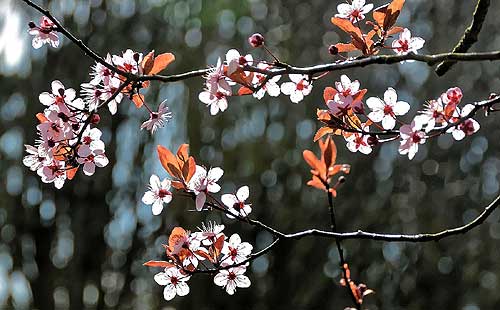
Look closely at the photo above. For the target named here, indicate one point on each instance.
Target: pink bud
(256, 40)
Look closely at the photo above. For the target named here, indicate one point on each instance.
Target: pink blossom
(406, 43)
(158, 194)
(90, 158)
(204, 182)
(387, 109)
(432, 115)
(270, 87)
(157, 119)
(174, 281)
(299, 87)
(129, 61)
(355, 11)
(232, 278)
(467, 127)
(53, 172)
(347, 88)
(236, 202)
(236, 251)
(359, 142)
(44, 34)
(59, 95)
(234, 60)
(411, 137)
(209, 233)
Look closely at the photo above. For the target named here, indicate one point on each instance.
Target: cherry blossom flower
(157, 119)
(204, 182)
(234, 60)
(347, 88)
(270, 87)
(216, 90)
(44, 34)
(55, 128)
(359, 142)
(108, 91)
(101, 73)
(35, 158)
(129, 61)
(387, 109)
(467, 127)
(158, 194)
(236, 202)
(297, 88)
(217, 100)
(406, 43)
(236, 251)
(452, 96)
(411, 137)
(92, 138)
(53, 172)
(90, 158)
(355, 11)
(209, 233)
(232, 278)
(59, 95)
(174, 281)
(432, 115)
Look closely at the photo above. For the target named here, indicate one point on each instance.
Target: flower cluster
(383, 26)
(185, 250)
(439, 116)
(195, 180)
(66, 139)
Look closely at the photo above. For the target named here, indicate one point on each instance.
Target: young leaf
(158, 263)
(161, 62)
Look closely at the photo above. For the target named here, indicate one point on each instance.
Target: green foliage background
(83, 246)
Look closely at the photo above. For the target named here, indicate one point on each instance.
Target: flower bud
(136, 57)
(256, 40)
(372, 140)
(31, 25)
(333, 50)
(95, 119)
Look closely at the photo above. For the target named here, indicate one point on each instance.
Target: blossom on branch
(158, 194)
(204, 182)
(468, 126)
(355, 11)
(387, 110)
(411, 137)
(174, 281)
(235, 203)
(157, 119)
(44, 34)
(406, 43)
(236, 251)
(299, 87)
(232, 278)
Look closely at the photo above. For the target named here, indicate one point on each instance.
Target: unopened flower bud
(333, 50)
(256, 40)
(136, 57)
(372, 140)
(31, 25)
(95, 119)
(492, 96)
(341, 179)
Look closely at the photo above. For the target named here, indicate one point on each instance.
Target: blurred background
(82, 247)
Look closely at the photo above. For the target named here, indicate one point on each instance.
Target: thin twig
(469, 37)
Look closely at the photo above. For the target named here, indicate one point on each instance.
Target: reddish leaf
(347, 26)
(244, 91)
(392, 13)
(70, 173)
(329, 93)
(41, 118)
(183, 152)
(168, 161)
(345, 47)
(161, 62)
(218, 245)
(158, 263)
(138, 100)
(379, 15)
(322, 132)
(177, 185)
(147, 62)
(395, 30)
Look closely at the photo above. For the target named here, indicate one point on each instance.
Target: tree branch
(469, 37)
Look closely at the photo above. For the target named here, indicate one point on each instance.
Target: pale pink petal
(243, 193)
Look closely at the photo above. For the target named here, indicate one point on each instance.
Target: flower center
(231, 276)
(388, 110)
(416, 137)
(163, 192)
